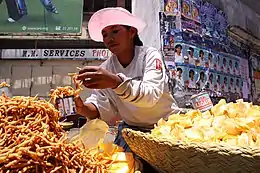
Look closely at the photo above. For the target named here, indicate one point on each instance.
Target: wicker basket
(171, 157)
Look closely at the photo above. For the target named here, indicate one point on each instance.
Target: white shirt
(192, 84)
(202, 63)
(143, 98)
(191, 60)
(178, 58)
(231, 89)
(202, 84)
(224, 88)
(217, 87)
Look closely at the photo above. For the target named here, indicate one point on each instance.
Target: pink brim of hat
(112, 16)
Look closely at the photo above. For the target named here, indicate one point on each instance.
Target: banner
(77, 54)
(41, 17)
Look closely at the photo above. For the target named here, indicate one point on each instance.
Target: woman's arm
(147, 91)
(100, 105)
(89, 110)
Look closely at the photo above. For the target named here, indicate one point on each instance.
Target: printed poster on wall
(168, 28)
(255, 70)
(171, 6)
(41, 16)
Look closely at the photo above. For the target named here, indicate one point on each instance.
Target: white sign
(87, 54)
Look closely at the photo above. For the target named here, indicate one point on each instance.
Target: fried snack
(4, 84)
(61, 92)
(229, 123)
(31, 140)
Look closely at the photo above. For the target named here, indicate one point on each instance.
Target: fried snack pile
(31, 140)
(61, 92)
(4, 84)
(236, 124)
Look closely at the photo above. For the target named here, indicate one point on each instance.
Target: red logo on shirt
(158, 64)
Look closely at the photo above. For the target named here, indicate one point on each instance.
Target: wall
(32, 77)
(149, 11)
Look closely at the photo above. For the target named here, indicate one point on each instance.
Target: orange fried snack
(61, 92)
(31, 140)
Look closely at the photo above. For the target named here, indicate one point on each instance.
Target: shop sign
(77, 54)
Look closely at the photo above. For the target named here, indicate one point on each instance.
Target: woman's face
(178, 50)
(201, 55)
(191, 75)
(202, 77)
(210, 58)
(118, 38)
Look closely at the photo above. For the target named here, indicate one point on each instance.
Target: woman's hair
(179, 69)
(178, 46)
(137, 40)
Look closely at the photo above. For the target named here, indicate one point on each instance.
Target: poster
(255, 70)
(188, 54)
(171, 6)
(190, 77)
(168, 29)
(41, 16)
(78, 54)
(220, 26)
(207, 14)
(195, 11)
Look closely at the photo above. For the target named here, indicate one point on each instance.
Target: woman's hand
(78, 103)
(89, 110)
(95, 77)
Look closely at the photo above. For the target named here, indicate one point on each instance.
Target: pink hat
(112, 16)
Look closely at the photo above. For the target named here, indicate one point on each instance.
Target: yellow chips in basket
(235, 124)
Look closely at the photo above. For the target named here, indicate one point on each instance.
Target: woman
(132, 82)
(202, 82)
(178, 54)
(191, 82)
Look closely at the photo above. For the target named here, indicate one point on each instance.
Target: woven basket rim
(222, 147)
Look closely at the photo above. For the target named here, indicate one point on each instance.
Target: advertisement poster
(243, 68)
(168, 29)
(41, 16)
(255, 64)
(78, 54)
(190, 77)
(207, 14)
(171, 6)
(191, 16)
(195, 13)
(220, 26)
